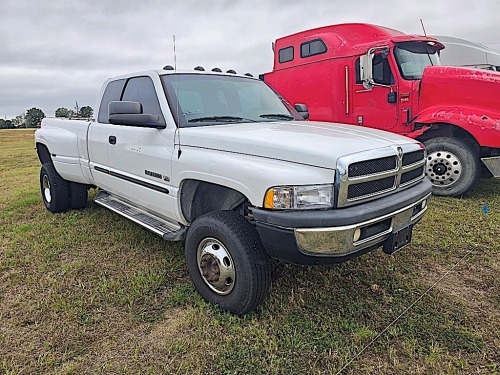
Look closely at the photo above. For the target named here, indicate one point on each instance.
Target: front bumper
(333, 236)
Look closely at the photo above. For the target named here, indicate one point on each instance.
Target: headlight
(299, 197)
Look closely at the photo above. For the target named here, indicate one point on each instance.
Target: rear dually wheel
(54, 189)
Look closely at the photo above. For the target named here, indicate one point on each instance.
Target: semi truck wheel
(226, 261)
(55, 190)
(452, 166)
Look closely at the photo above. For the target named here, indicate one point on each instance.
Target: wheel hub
(46, 188)
(443, 168)
(216, 266)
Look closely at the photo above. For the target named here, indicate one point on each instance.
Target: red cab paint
(373, 76)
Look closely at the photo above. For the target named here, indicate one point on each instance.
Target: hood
(446, 85)
(306, 142)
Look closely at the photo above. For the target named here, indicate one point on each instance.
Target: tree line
(33, 117)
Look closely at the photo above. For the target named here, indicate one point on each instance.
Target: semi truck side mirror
(366, 70)
(302, 110)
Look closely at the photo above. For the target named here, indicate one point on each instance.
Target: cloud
(53, 53)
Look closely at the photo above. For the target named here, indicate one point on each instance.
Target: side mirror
(366, 70)
(392, 97)
(130, 114)
(302, 110)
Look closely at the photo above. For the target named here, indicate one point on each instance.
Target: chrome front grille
(414, 174)
(413, 157)
(364, 189)
(363, 168)
(371, 174)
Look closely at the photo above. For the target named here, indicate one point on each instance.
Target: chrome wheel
(216, 266)
(46, 188)
(443, 168)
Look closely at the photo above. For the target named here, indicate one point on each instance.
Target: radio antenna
(423, 28)
(175, 56)
(179, 152)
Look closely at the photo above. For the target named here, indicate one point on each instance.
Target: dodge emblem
(400, 152)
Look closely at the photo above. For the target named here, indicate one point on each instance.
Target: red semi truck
(378, 77)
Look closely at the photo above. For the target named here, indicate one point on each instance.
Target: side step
(168, 230)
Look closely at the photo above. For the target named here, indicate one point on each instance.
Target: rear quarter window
(112, 93)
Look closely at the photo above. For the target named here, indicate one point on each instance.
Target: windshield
(414, 57)
(201, 100)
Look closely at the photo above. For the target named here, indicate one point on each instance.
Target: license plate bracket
(398, 239)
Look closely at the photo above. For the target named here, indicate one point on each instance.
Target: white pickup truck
(221, 161)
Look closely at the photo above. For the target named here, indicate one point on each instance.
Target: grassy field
(90, 292)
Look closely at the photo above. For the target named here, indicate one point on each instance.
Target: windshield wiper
(221, 119)
(278, 116)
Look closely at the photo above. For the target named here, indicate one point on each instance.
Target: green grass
(90, 292)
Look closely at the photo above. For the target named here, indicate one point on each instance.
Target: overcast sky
(56, 52)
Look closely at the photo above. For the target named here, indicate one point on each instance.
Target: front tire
(452, 166)
(226, 261)
(54, 189)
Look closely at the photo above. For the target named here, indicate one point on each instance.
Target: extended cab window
(112, 93)
(314, 47)
(285, 54)
(142, 90)
(382, 73)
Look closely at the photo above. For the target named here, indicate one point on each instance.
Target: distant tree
(20, 120)
(34, 116)
(71, 113)
(62, 112)
(9, 124)
(86, 112)
(3, 125)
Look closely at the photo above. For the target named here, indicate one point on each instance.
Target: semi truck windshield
(414, 57)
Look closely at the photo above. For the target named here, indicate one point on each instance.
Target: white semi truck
(461, 52)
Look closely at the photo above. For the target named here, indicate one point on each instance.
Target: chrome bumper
(342, 241)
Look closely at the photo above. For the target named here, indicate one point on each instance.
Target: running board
(168, 230)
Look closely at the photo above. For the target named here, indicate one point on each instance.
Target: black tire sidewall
(59, 189)
(252, 272)
(468, 158)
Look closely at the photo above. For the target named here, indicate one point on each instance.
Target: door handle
(112, 139)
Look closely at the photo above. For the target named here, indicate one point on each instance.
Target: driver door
(371, 107)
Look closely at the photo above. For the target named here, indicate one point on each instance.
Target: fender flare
(482, 125)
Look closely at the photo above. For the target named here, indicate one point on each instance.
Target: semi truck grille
(371, 174)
